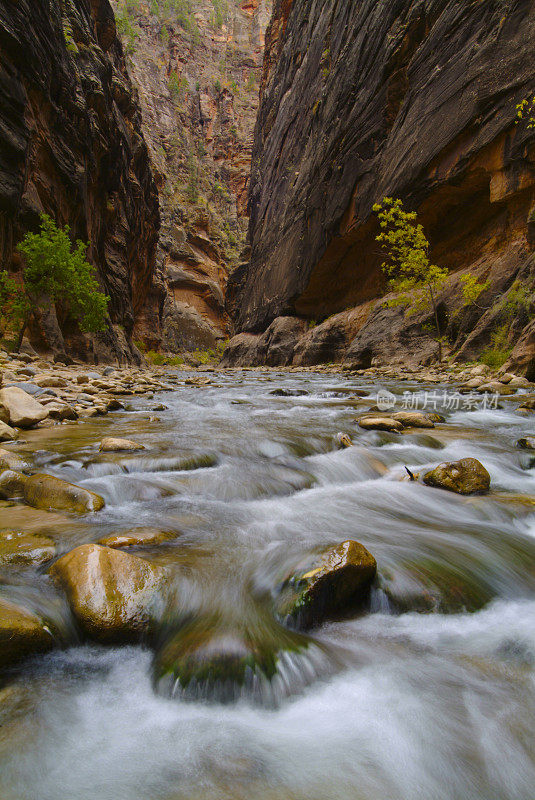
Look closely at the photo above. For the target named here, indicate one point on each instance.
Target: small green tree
(55, 270)
(408, 267)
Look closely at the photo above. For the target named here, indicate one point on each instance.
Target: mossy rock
(467, 476)
(218, 660)
(326, 585)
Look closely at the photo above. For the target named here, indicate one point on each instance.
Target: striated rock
(467, 476)
(380, 424)
(429, 123)
(24, 411)
(343, 440)
(111, 445)
(17, 547)
(72, 145)
(22, 633)
(113, 595)
(326, 584)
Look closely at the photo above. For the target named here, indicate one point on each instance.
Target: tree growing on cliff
(407, 265)
(54, 271)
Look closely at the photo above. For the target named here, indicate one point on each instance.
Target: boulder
(11, 484)
(495, 387)
(111, 445)
(113, 595)
(467, 476)
(61, 411)
(17, 547)
(326, 584)
(7, 433)
(527, 443)
(137, 537)
(519, 383)
(21, 633)
(24, 411)
(12, 461)
(380, 424)
(413, 419)
(343, 440)
(48, 492)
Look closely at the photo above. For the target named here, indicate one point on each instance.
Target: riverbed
(427, 694)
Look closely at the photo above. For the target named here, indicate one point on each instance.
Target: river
(429, 694)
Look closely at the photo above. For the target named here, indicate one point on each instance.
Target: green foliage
(56, 270)
(525, 111)
(471, 288)
(14, 304)
(160, 359)
(126, 26)
(220, 13)
(217, 85)
(499, 351)
(407, 265)
(210, 354)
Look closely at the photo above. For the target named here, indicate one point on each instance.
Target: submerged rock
(24, 411)
(113, 595)
(48, 492)
(210, 659)
(467, 476)
(326, 584)
(21, 633)
(111, 445)
(17, 547)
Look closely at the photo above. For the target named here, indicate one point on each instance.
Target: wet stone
(467, 476)
(17, 547)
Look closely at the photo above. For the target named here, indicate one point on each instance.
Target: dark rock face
(402, 98)
(275, 347)
(71, 146)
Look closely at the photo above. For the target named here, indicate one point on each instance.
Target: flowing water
(428, 694)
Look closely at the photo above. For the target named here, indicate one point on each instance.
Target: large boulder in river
(24, 411)
(48, 493)
(113, 595)
(413, 419)
(467, 476)
(326, 584)
(21, 633)
(380, 424)
(9, 460)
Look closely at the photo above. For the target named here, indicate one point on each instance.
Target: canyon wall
(197, 67)
(407, 98)
(71, 145)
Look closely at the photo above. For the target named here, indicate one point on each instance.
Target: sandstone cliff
(408, 98)
(197, 65)
(71, 145)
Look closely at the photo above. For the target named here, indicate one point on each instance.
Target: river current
(429, 694)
